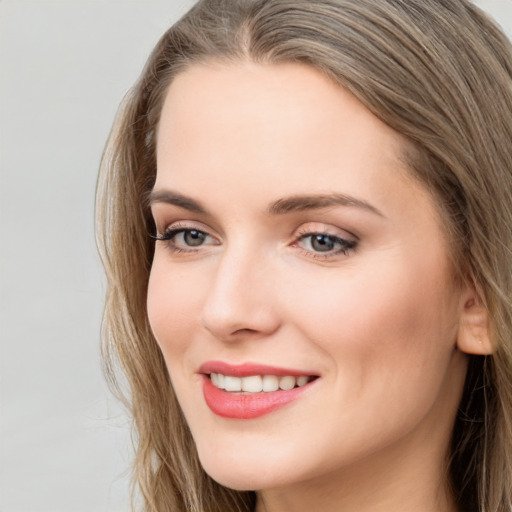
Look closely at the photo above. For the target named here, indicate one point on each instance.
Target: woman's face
(298, 253)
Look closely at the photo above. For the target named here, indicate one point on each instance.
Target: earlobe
(473, 335)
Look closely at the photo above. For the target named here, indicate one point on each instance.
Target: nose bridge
(240, 297)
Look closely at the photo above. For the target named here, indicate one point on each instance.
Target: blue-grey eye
(182, 238)
(323, 243)
(193, 238)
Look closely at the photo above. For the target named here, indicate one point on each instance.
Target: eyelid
(326, 229)
(184, 225)
(167, 216)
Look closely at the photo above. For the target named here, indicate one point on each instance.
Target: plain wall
(65, 65)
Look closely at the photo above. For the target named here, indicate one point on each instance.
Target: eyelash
(169, 234)
(346, 246)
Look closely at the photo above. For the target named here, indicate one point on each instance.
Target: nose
(242, 300)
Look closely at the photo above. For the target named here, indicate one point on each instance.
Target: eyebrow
(177, 199)
(297, 203)
(316, 202)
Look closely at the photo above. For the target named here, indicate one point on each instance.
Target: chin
(238, 483)
(242, 480)
(246, 471)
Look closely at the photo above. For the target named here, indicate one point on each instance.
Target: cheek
(173, 306)
(389, 335)
(399, 318)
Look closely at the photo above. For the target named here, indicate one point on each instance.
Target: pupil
(193, 238)
(322, 243)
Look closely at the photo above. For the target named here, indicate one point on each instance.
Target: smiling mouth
(250, 390)
(258, 383)
(252, 396)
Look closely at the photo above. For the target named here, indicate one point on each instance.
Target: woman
(304, 213)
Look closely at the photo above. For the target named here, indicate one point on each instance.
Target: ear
(473, 336)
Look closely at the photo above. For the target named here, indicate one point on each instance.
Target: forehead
(259, 118)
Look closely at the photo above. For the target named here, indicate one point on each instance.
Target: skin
(379, 323)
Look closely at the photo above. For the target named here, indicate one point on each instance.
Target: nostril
(239, 324)
(245, 330)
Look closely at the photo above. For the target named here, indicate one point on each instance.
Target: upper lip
(248, 369)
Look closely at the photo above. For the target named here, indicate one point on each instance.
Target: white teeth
(270, 383)
(253, 384)
(286, 383)
(257, 383)
(302, 380)
(232, 383)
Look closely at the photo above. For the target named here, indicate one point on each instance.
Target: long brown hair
(437, 71)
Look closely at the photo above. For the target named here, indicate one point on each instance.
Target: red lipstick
(240, 405)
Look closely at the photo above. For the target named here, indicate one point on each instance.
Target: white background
(64, 66)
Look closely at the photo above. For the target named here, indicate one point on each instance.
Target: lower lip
(247, 406)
